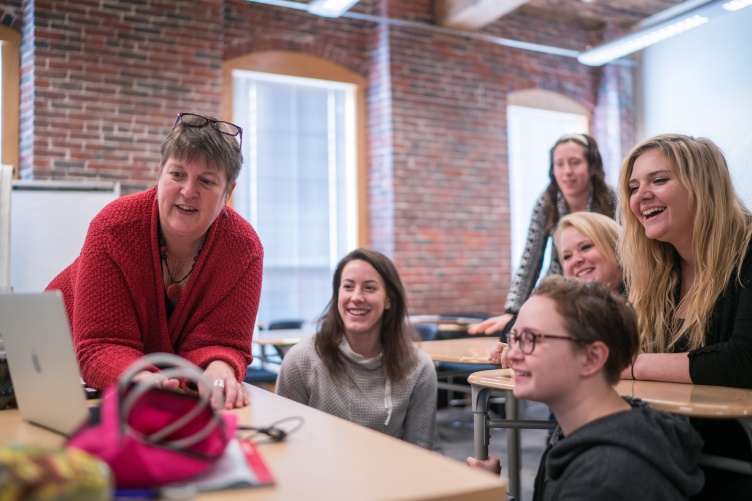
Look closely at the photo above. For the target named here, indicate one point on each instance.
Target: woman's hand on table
(222, 376)
(160, 379)
(499, 355)
(491, 325)
(491, 464)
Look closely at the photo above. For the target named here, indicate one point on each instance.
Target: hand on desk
(491, 464)
(491, 325)
(499, 355)
(161, 381)
(223, 379)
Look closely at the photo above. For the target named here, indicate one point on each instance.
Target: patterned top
(406, 410)
(532, 258)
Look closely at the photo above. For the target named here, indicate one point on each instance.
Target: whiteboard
(48, 225)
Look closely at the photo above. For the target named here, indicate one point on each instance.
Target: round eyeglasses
(198, 121)
(527, 340)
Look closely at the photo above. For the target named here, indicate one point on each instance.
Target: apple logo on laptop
(35, 361)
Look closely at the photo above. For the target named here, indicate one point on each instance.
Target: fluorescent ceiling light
(735, 5)
(670, 25)
(639, 40)
(330, 8)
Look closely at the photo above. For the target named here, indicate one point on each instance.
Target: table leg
(513, 446)
(481, 432)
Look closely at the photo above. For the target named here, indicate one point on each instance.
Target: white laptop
(42, 362)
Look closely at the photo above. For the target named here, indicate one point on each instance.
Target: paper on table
(240, 466)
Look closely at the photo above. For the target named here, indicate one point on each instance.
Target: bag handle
(174, 366)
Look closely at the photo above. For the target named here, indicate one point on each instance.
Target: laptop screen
(42, 361)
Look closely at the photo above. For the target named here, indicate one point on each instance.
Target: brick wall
(102, 82)
(11, 14)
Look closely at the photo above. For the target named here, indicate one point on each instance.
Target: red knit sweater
(114, 293)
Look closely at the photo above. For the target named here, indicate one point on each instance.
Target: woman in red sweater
(172, 269)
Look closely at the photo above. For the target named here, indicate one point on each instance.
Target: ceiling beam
(472, 14)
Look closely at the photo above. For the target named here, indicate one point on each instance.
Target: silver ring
(219, 382)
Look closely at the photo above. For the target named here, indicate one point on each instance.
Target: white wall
(700, 83)
(48, 225)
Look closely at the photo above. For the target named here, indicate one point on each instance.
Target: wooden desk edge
(502, 379)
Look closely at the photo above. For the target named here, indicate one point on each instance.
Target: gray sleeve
(532, 260)
(291, 381)
(420, 420)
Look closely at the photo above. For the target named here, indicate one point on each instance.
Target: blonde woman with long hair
(685, 248)
(687, 260)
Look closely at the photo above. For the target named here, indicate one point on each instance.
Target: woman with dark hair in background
(577, 183)
(362, 365)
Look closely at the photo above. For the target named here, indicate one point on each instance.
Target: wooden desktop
(327, 458)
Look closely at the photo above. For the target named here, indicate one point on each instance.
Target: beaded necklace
(174, 290)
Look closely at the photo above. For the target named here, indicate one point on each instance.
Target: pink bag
(151, 436)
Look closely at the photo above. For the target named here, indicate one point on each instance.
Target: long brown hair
(601, 195)
(721, 233)
(398, 356)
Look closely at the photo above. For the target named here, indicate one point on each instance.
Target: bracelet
(632, 368)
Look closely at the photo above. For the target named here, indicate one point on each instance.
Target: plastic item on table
(32, 473)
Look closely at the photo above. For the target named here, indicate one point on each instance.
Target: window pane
(532, 132)
(293, 188)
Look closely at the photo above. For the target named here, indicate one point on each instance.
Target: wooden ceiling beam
(472, 14)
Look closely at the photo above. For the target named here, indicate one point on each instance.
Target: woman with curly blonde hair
(687, 259)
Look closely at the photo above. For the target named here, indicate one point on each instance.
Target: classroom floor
(455, 440)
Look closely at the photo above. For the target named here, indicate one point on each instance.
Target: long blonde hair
(721, 232)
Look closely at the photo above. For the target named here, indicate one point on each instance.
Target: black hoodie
(640, 454)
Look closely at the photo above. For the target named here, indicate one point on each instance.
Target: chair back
(427, 332)
(285, 324)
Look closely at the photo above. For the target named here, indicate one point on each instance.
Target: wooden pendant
(173, 292)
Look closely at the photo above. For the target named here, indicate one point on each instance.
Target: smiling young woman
(586, 242)
(571, 341)
(686, 249)
(687, 256)
(577, 183)
(362, 365)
